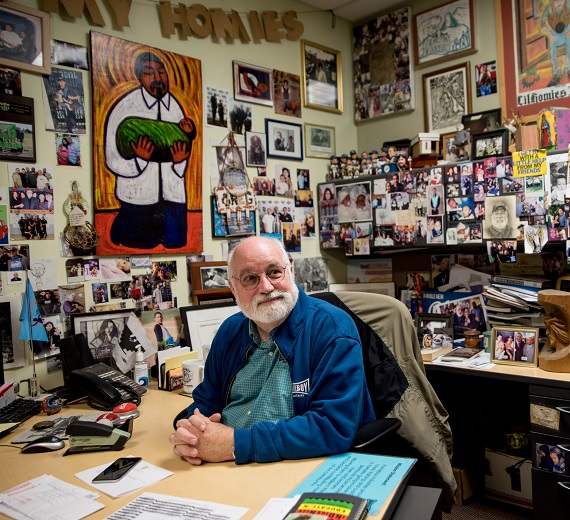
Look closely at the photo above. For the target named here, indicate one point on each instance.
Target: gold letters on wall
(195, 20)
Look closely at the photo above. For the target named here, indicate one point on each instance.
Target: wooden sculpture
(555, 355)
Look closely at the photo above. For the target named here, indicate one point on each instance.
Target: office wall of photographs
(472, 202)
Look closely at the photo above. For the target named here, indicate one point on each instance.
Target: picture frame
(447, 146)
(447, 97)
(280, 135)
(490, 144)
(253, 84)
(433, 321)
(17, 120)
(401, 145)
(200, 323)
(455, 36)
(320, 141)
(482, 121)
(202, 290)
(318, 61)
(36, 26)
(525, 355)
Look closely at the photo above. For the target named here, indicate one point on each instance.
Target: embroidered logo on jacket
(301, 388)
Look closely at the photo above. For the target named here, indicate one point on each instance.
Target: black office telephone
(83, 376)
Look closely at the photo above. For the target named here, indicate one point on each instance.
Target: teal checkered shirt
(262, 390)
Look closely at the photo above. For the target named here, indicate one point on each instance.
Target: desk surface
(250, 485)
(530, 375)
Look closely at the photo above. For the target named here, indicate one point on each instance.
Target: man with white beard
(284, 378)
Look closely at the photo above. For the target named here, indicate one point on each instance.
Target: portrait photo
(500, 218)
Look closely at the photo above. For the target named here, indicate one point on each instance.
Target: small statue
(555, 355)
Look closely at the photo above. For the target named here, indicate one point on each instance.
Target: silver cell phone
(117, 470)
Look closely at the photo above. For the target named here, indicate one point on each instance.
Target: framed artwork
(209, 281)
(447, 97)
(201, 323)
(237, 223)
(319, 141)
(133, 214)
(531, 60)
(445, 32)
(253, 84)
(17, 129)
(32, 51)
(284, 140)
(322, 77)
(515, 345)
(382, 67)
(490, 144)
(482, 121)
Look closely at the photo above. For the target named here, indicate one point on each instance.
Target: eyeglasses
(250, 281)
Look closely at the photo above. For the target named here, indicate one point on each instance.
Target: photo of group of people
(464, 203)
(550, 458)
(515, 345)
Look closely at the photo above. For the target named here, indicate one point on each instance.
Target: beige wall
(216, 58)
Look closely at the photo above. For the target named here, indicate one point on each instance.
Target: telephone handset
(105, 386)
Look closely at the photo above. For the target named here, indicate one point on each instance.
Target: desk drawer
(550, 495)
(549, 415)
(551, 454)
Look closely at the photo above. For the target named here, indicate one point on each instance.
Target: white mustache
(267, 297)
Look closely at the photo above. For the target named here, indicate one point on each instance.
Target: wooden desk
(249, 485)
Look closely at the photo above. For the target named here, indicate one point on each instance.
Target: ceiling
(354, 10)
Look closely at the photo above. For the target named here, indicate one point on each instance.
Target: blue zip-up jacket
(330, 398)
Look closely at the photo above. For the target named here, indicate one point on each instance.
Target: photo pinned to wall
(286, 93)
(557, 178)
(306, 217)
(100, 293)
(14, 258)
(64, 101)
(115, 269)
(304, 199)
(10, 81)
(164, 270)
(54, 330)
(382, 65)
(291, 233)
(31, 225)
(240, 116)
(67, 149)
(235, 223)
(354, 202)
(15, 277)
(486, 78)
(4, 228)
(303, 179)
(72, 298)
(74, 270)
(216, 106)
(435, 230)
(91, 269)
(26, 33)
(264, 186)
(515, 345)
(256, 153)
(283, 182)
(500, 218)
(311, 273)
(17, 129)
(68, 55)
(252, 83)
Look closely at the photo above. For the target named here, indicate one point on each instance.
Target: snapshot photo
(515, 345)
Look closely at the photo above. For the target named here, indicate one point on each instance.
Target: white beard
(274, 312)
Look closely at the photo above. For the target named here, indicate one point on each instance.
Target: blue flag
(32, 326)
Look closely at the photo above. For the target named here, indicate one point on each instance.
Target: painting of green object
(162, 134)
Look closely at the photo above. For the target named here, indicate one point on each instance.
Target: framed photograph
(319, 141)
(515, 345)
(448, 147)
(209, 281)
(202, 322)
(443, 33)
(18, 129)
(31, 51)
(255, 146)
(253, 84)
(490, 144)
(284, 140)
(322, 77)
(482, 121)
(447, 97)
(401, 146)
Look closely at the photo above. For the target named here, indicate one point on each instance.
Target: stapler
(87, 436)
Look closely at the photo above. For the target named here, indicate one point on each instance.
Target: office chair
(411, 421)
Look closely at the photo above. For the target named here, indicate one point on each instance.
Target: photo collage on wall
(464, 203)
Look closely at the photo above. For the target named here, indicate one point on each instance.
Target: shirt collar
(257, 338)
(151, 101)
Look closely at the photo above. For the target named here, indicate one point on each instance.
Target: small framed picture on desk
(515, 345)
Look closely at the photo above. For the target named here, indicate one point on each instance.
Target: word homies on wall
(193, 21)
